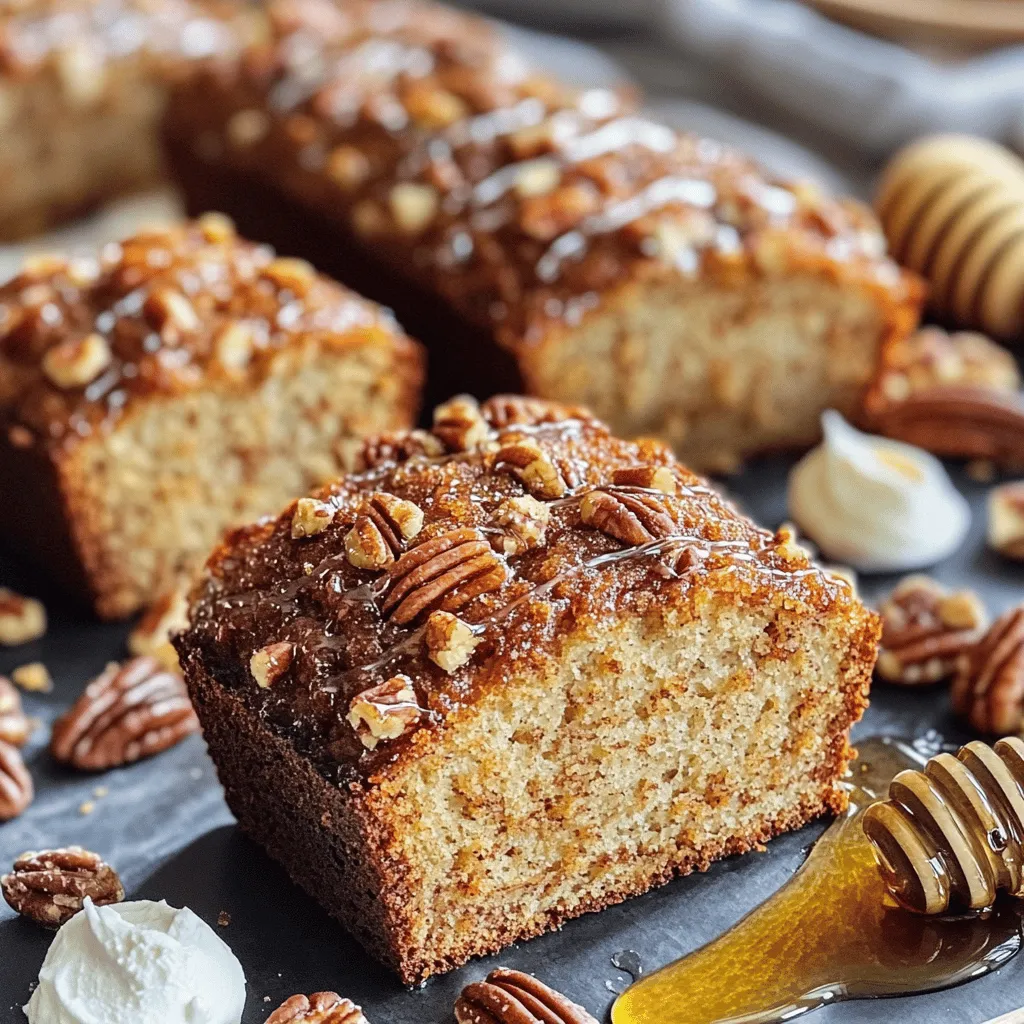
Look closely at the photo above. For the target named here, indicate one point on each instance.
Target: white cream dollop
(876, 504)
(142, 962)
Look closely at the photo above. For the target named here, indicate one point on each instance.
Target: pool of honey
(831, 933)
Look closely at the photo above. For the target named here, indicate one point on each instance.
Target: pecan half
(16, 789)
(319, 1008)
(510, 997)
(21, 618)
(446, 572)
(15, 727)
(380, 533)
(989, 688)
(50, 887)
(655, 478)
(502, 411)
(633, 518)
(533, 466)
(128, 712)
(958, 421)
(384, 712)
(523, 521)
(398, 446)
(460, 424)
(927, 631)
(1006, 520)
(33, 678)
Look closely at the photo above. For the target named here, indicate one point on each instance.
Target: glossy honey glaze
(831, 933)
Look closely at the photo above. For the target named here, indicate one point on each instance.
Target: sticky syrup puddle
(831, 933)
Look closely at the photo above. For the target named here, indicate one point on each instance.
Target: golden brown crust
(353, 629)
(163, 312)
(524, 203)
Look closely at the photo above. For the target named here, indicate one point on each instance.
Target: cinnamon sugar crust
(442, 807)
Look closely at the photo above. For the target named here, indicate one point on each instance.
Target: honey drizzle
(831, 933)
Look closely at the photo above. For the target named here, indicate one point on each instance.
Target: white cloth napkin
(870, 94)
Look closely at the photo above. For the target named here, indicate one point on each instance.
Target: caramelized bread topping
(381, 652)
(518, 199)
(163, 312)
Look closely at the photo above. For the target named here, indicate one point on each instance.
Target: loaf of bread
(540, 237)
(178, 382)
(83, 86)
(514, 671)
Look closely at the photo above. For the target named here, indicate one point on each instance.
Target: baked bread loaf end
(543, 238)
(468, 694)
(180, 382)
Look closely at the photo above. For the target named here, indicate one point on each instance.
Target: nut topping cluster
(384, 712)
(128, 712)
(511, 997)
(22, 619)
(989, 687)
(538, 472)
(50, 887)
(383, 529)
(927, 631)
(460, 424)
(319, 1008)
(16, 789)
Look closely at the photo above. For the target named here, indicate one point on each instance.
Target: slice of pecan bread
(179, 382)
(476, 690)
(542, 237)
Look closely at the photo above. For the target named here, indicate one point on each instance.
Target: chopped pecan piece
(460, 424)
(16, 789)
(75, 363)
(958, 421)
(319, 1008)
(311, 517)
(380, 533)
(989, 688)
(50, 887)
(128, 712)
(927, 631)
(413, 205)
(533, 466)
(22, 619)
(33, 678)
(15, 727)
(510, 997)
(450, 641)
(523, 521)
(1006, 519)
(152, 636)
(384, 712)
(655, 478)
(398, 446)
(446, 571)
(270, 663)
(633, 518)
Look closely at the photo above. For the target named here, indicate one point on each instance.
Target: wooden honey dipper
(952, 207)
(953, 834)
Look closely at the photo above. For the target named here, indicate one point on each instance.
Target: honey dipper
(952, 207)
(953, 834)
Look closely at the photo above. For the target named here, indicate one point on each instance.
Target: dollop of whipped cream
(142, 962)
(876, 504)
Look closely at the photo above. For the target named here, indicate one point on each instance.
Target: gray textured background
(165, 827)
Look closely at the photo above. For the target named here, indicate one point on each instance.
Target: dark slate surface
(164, 825)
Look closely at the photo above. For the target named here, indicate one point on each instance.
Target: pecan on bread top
(429, 576)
